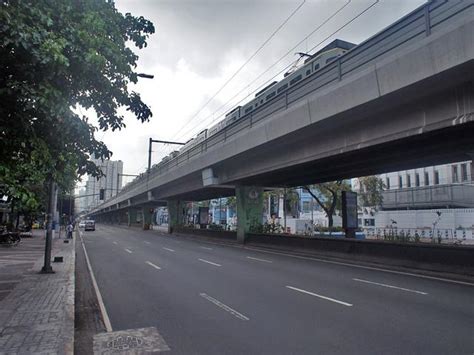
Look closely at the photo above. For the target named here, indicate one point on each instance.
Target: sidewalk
(37, 316)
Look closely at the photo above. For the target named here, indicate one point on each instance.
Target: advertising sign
(349, 210)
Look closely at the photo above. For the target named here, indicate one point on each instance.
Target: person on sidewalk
(69, 230)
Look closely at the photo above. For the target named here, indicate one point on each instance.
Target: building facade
(111, 183)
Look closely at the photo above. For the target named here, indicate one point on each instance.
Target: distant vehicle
(82, 224)
(89, 225)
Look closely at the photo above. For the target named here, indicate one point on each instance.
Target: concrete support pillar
(146, 217)
(132, 216)
(249, 209)
(175, 214)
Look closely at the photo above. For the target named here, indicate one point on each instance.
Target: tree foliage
(57, 55)
(371, 188)
(328, 196)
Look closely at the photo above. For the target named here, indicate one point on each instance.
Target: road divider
(224, 307)
(209, 262)
(153, 265)
(390, 286)
(320, 296)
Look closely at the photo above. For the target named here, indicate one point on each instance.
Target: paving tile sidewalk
(37, 317)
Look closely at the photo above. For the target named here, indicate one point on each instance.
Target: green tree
(371, 189)
(328, 196)
(57, 55)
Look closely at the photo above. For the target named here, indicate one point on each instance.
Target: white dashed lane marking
(169, 249)
(390, 286)
(224, 307)
(128, 251)
(209, 262)
(153, 265)
(319, 296)
(257, 259)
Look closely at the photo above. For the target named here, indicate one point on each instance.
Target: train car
(216, 128)
(311, 65)
(232, 116)
(200, 137)
(188, 145)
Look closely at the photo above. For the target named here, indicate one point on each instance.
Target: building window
(455, 173)
(408, 180)
(308, 72)
(427, 178)
(417, 179)
(387, 182)
(306, 207)
(316, 66)
(464, 172)
(400, 182)
(436, 177)
(369, 222)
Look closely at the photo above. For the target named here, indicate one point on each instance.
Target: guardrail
(415, 26)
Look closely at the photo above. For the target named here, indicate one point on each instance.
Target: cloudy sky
(200, 44)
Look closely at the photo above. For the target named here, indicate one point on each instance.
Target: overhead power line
(243, 65)
(329, 18)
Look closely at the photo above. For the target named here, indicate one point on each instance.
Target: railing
(413, 27)
(452, 195)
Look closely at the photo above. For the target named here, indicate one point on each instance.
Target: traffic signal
(101, 194)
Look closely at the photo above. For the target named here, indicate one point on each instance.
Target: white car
(82, 224)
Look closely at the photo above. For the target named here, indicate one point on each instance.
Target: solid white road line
(390, 286)
(263, 260)
(105, 316)
(128, 251)
(206, 248)
(153, 265)
(169, 249)
(320, 296)
(146, 242)
(209, 262)
(224, 307)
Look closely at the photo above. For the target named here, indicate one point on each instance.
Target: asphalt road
(206, 298)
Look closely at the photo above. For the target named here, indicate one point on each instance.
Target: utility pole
(150, 143)
(47, 269)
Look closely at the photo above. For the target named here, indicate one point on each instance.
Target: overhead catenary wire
(243, 65)
(329, 18)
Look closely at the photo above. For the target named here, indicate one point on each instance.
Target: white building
(111, 182)
(437, 198)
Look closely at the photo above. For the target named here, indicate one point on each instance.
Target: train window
(248, 109)
(269, 96)
(331, 59)
(308, 72)
(295, 80)
(281, 88)
(316, 66)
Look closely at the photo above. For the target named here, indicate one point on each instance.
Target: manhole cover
(125, 343)
(131, 341)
